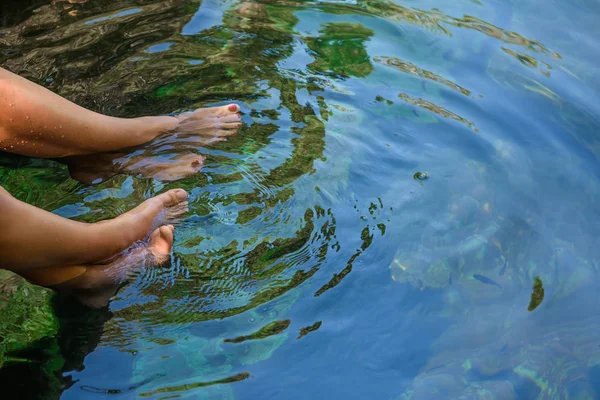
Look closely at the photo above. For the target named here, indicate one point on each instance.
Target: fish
(486, 280)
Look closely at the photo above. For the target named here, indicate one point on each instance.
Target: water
(313, 263)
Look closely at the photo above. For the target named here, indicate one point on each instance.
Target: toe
(229, 109)
(225, 133)
(161, 242)
(166, 235)
(219, 111)
(174, 214)
(172, 197)
(235, 117)
(234, 108)
(231, 125)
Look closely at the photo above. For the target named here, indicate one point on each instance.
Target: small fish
(503, 270)
(450, 280)
(486, 280)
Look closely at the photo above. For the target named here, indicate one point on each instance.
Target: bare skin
(100, 282)
(38, 123)
(34, 242)
(97, 168)
(203, 127)
(69, 255)
(33, 238)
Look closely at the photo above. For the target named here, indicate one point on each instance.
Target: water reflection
(309, 224)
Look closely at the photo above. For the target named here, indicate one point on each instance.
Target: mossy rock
(26, 315)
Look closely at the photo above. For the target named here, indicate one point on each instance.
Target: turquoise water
(315, 261)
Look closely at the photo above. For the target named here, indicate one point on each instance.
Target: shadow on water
(342, 104)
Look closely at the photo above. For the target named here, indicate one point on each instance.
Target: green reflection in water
(273, 328)
(292, 114)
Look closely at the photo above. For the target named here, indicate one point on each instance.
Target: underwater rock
(26, 315)
(420, 176)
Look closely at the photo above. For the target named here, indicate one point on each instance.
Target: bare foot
(154, 212)
(168, 157)
(94, 282)
(34, 239)
(214, 124)
(100, 282)
(97, 168)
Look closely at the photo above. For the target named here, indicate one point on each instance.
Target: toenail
(233, 107)
(181, 194)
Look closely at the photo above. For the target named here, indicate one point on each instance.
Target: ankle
(152, 127)
(113, 237)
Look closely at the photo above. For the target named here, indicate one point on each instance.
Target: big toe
(161, 242)
(229, 110)
(171, 197)
(232, 108)
(153, 207)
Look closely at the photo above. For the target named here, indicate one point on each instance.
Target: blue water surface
(405, 172)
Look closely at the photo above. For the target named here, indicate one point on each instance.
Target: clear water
(312, 263)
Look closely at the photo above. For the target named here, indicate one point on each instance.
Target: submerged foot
(98, 168)
(113, 237)
(162, 158)
(211, 123)
(100, 282)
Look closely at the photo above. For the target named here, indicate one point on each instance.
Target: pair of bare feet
(101, 279)
(91, 261)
